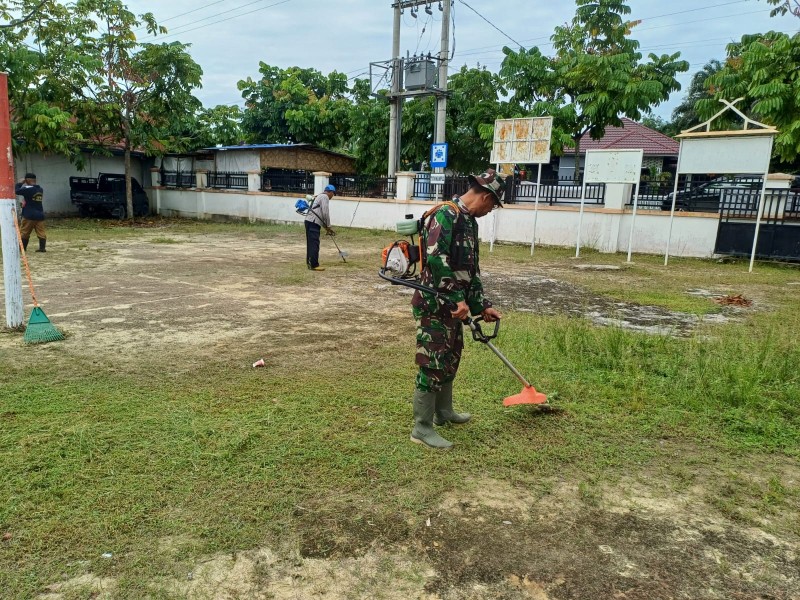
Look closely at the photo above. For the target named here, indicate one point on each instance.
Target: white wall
(53, 173)
(694, 234)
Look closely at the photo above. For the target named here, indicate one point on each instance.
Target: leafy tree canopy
(595, 77)
(764, 69)
(296, 105)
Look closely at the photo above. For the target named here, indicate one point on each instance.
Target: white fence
(605, 229)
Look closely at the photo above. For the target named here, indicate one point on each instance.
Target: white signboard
(748, 154)
(613, 166)
(523, 141)
(437, 178)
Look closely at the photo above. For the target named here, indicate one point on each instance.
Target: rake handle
(24, 258)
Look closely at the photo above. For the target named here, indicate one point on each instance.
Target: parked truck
(105, 196)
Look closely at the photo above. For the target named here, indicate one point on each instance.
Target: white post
(672, 216)
(254, 181)
(536, 207)
(674, 200)
(633, 220)
(404, 186)
(494, 216)
(12, 275)
(760, 215)
(580, 218)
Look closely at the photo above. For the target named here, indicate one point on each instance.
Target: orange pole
(12, 277)
(7, 165)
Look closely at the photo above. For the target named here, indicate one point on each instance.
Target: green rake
(39, 330)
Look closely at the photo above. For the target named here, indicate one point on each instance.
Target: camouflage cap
(493, 181)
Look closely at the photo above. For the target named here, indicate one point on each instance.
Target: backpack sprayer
(302, 207)
(400, 261)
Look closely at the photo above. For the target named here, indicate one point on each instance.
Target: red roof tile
(631, 136)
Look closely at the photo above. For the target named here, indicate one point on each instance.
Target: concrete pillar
(405, 186)
(201, 179)
(617, 195)
(155, 177)
(321, 179)
(254, 181)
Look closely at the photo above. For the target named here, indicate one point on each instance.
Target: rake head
(40, 330)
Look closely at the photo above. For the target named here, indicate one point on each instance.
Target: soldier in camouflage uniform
(450, 244)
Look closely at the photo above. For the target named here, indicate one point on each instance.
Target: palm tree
(684, 116)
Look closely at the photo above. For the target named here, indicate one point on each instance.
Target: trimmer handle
(477, 333)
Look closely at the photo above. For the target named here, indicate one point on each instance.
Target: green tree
(41, 49)
(764, 69)
(136, 92)
(474, 102)
(221, 125)
(783, 7)
(85, 79)
(685, 114)
(296, 105)
(369, 129)
(659, 124)
(595, 77)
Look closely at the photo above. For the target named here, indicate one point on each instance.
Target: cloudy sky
(229, 37)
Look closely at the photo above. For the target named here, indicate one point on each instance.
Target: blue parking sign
(439, 156)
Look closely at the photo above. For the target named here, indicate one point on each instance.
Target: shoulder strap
(449, 203)
(428, 214)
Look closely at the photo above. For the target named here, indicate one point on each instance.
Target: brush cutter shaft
(508, 364)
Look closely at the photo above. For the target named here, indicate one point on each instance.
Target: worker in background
(32, 211)
(318, 217)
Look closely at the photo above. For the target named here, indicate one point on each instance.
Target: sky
(230, 37)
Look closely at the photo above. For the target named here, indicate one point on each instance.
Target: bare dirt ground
(187, 299)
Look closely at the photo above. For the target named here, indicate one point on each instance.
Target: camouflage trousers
(439, 345)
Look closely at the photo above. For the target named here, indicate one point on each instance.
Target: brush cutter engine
(400, 259)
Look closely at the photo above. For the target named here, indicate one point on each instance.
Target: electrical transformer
(420, 74)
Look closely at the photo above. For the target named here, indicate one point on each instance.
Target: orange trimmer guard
(528, 395)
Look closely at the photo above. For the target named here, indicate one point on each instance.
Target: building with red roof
(660, 151)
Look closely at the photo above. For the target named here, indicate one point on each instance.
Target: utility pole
(415, 77)
(396, 103)
(444, 61)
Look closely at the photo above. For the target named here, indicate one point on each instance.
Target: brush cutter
(528, 395)
(302, 207)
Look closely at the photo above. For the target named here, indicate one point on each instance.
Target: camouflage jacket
(450, 245)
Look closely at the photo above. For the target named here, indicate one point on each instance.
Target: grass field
(145, 457)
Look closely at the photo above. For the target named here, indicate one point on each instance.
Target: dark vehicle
(105, 195)
(706, 196)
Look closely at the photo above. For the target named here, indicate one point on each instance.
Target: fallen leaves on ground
(729, 300)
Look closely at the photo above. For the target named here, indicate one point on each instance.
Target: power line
(185, 13)
(490, 23)
(493, 55)
(545, 37)
(171, 35)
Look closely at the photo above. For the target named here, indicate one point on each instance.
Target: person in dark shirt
(32, 211)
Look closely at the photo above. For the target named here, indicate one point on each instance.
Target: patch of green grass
(98, 460)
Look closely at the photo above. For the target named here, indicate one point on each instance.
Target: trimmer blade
(528, 395)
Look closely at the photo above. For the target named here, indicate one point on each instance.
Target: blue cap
(329, 188)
